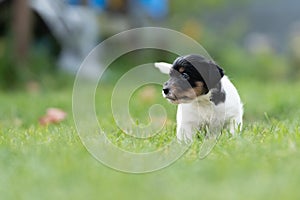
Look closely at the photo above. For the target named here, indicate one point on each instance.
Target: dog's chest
(199, 113)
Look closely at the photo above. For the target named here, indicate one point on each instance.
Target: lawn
(50, 162)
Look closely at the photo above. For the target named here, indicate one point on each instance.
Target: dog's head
(190, 77)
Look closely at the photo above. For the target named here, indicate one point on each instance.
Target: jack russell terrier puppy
(206, 97)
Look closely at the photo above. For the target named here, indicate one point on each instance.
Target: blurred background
(44, 41)
(42, 44)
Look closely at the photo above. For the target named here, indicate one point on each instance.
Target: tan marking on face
(199, 89)
(181, 69)
(192, 93)
(186, 95)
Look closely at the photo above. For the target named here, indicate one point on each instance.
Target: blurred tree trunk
(21, 30)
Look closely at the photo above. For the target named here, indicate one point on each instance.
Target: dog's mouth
(177, 100)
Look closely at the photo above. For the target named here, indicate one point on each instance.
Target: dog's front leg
(186, 126)
(217, 121)
(235, 124)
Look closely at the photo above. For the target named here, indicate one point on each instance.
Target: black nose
(166, 90)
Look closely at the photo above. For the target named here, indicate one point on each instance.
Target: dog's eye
(185, 76)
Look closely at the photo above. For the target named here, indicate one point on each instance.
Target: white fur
(163, 67)
(201, 111)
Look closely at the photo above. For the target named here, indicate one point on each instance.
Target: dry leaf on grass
(53, 115)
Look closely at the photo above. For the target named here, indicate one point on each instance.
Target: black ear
(209, 71)
(215, 74)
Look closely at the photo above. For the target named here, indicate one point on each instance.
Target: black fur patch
(218, 95)
(199, 69)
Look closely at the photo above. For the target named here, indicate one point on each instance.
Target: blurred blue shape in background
(96, 4)
(156, 9)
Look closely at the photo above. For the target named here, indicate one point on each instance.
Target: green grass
(50, 162)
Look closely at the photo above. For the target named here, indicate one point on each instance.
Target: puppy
(206, 97)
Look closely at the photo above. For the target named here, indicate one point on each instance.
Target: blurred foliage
(187, 17)
(223, 42)
(196, 7)
(244, 65)
(40, 71)
(183, 11)
(132, 59)
(15, 75)
(39, 61)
